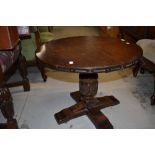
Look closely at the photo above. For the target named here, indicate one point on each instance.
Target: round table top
(89, 54)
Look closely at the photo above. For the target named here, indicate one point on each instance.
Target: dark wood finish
(6, 107)
(87, 104)
(50, 28)
(19, 64)
(41, 68)
(151, 32)
(37, 39)
(88, 56)
(150, 66)
(111, 31)
(9, 37)
(135, 33)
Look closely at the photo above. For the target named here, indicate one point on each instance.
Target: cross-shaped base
(87, 104)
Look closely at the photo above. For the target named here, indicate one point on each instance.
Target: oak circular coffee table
(88, 56)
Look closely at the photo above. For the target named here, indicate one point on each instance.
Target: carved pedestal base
(87, 104)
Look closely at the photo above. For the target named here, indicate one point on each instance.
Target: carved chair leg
(136, 69)
(7, 109)
(41, 67)
(23, 72)
(153, 96)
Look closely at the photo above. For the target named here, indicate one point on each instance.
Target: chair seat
(46, 36)
(7, 58)
(148, 47)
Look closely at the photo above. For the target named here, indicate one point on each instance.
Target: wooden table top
(89, 54)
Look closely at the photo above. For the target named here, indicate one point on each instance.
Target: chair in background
(10, 60)
(143, 36)
(148, 61)
(32, 37)
(43, 35)
(28, 43)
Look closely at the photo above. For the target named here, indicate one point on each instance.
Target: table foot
(107, 101)
(67, 114)
(99, 119)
